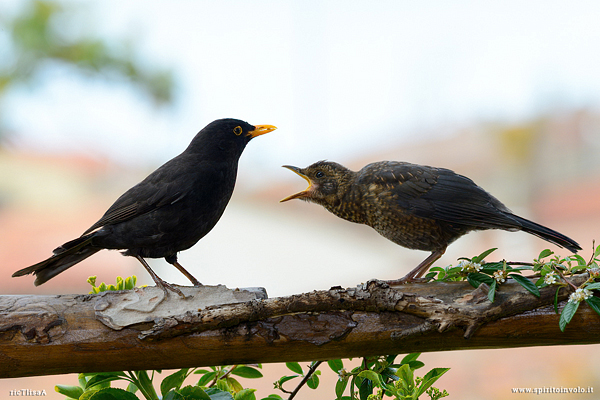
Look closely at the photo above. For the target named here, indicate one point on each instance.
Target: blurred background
(96, 95)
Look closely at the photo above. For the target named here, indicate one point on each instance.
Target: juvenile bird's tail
(64, 257)
(547, 234)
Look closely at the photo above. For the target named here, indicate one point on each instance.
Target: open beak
(261, 130)
(305, 192)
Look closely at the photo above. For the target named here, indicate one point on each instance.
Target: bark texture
(140, 329)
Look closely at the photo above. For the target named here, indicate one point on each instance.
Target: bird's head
(229, 135)
(327, 182)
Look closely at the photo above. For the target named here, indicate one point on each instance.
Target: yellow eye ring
(237, 130)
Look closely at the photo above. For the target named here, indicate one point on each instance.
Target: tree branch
(139, 330)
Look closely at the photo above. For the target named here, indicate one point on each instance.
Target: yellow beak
(305, 192)
(261, 130)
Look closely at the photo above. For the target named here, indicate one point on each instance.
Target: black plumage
(415, 206)
(170, 210)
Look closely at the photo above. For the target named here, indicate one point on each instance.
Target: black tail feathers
(64, 257)
(547, 234)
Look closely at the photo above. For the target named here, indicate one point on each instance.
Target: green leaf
(410, 357)
(340, 386)
(129, 283)
(234, 384)
(390, 359)
(518, 268)
(272, 397)
(132, 388)
(567, 314)
(88, 394)
(101, 379)
(593, 286)
(372, 376)
(594, 303)
(112, 394)
(490, 268)
(294, 367)
(223, 385)
(479, 258)
(206, 378)
(145, 383)
(173, 395)
(430, 378)
(405, 373)
(245, 394)
(284, 379)
(81, 378)
(389, 373)
(540, 283)
(477, 278)
(526, 283)
(313, 381)
(70, 391)
(556, 300)
(365, 388)
(218, 394)
(416, 365)
(201, 371)
(545, 253)
(194, 392)
(390, 390)
(335, 365)
(173, 381)
(247, 372)
(492, 292)
(580, 260)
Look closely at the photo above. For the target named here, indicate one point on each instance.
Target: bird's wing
(156, 191)
(441, 194)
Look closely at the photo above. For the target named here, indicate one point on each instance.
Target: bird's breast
(382, 212)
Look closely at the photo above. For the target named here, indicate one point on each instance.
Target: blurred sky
(336, 77)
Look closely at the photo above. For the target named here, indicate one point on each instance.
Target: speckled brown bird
(415, 206)
(170, 210)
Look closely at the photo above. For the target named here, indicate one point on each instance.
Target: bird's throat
(348, 208)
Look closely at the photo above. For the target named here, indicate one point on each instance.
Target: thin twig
(528, 264)
(225, 376)
(311, 371)
(565, 279)
(593, 253)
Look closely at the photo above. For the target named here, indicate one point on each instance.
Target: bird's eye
(237, 130)
(319, 174)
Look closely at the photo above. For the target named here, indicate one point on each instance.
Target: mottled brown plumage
(415, 206)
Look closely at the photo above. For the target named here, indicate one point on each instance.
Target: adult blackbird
(415, 206)
(170, 210)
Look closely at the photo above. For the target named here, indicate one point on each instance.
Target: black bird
(170, 210)
(415, 206)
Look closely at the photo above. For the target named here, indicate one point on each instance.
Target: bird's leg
(159, 282)
(416, 274)
(172, 259)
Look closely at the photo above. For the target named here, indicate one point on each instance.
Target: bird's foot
(165, 286)
(191, 277)
(196, 283)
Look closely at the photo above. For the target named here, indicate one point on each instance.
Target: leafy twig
(311, 371)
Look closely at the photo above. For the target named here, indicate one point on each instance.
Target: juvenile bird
(415, 206)
(170, 210)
